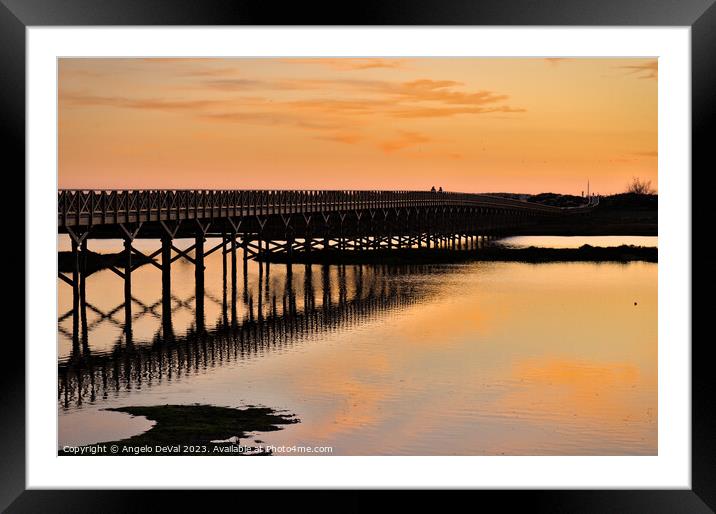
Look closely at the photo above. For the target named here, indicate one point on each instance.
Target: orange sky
(467, 124)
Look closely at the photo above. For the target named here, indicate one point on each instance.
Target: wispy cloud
(288, 84)
(422, 98)
(209, 72)
(341, 110)
(349, 139)
(348, 63)
(237, 84)
(405, 139)
(66, 73)
(443, 112)
(646, 70)
(441, 91)
(157, 104)
(273, 118)
(554, 61)
(180, 60)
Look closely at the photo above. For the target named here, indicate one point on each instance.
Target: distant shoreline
(532, 254)
(645, 229)
(585, 253)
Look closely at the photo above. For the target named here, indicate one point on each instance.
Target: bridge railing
(90, 207)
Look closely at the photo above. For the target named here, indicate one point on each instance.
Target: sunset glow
(466, 124)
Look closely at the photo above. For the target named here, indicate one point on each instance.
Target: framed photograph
(434, 246)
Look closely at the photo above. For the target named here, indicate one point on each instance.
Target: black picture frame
(17, 15)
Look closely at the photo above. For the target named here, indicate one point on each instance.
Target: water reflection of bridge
(270, 321)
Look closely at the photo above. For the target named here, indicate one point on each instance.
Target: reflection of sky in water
(575, 241)
(489, 358)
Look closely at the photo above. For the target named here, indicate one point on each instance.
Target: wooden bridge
(287, 221)
(262, 222)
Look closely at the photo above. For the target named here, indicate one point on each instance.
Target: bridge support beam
(233, 278)
(167, 287)
(260, 295)
(199, 279)
(268, 261)
(326, 286)
(224, 282)
(83, 292)
(128, 290)
(75, 296)
(244, 251)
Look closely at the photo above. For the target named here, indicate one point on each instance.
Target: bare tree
(640, 187)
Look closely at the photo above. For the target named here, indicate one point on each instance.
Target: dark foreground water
(467, 359)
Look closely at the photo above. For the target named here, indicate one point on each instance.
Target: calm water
(468, 359)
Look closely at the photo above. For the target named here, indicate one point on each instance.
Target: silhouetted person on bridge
(432, 189)
(440, 190)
